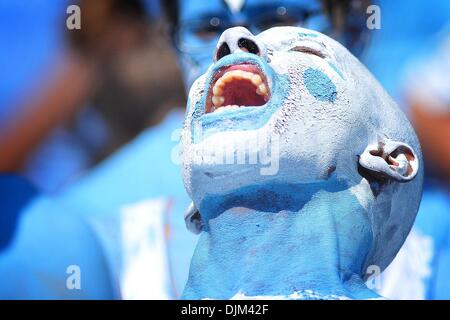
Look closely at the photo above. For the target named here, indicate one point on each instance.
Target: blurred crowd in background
(87, 122)
(71, 97)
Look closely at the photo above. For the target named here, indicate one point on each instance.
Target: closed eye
(308, 50)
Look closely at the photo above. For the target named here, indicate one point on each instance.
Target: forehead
(199, 8)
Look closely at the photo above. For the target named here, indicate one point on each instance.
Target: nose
(238, 39)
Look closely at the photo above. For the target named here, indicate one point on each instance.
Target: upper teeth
(256, 79)
(218, 100)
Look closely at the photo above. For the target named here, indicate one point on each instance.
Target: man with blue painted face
(346, 183)
(119, 231)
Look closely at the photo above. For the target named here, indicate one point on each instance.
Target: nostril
(248, 45)
(223, 51)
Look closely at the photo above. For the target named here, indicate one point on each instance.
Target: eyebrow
(308, 50)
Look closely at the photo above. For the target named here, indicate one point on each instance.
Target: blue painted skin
(262, 246)
(319, 85)
(251, 118)
(337, 70)
(346, 192)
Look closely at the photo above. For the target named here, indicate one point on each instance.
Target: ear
(390, 160)
(193, 219)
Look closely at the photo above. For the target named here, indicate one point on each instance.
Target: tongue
(242, 92)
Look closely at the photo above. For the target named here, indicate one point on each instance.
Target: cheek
(316, 78)
(319, 85)
(282, 62)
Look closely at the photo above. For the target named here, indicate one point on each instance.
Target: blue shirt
(122, 225)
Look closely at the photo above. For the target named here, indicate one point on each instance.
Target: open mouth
(237, 86)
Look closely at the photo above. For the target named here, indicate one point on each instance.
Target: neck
(288, 242)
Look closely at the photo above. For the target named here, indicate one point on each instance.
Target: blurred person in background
(97, 88)
(122, 224)
(68, 99)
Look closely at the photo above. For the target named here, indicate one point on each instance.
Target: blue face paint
(319, 85)
(310, 34)
(314, 223)
(336, 69)
(282, 214)
(251, 118)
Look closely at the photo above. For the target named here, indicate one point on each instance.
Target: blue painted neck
(281, 239)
